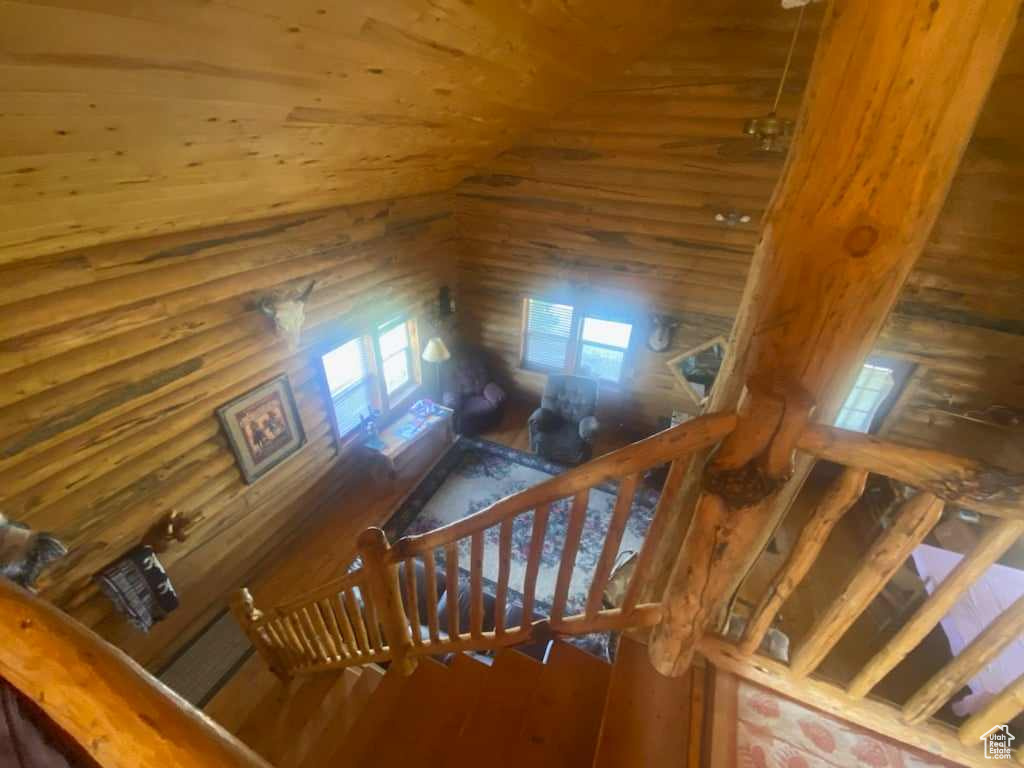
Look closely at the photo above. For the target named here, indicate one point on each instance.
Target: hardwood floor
(327, 544)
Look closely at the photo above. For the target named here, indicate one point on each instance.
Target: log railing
(120, 715)
(375, 612)
(940, 479)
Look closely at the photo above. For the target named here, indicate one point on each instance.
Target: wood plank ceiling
(122, 119)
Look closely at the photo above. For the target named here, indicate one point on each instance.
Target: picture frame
(263, 427)
(696, 369)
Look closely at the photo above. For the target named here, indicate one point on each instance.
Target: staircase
(571, 711)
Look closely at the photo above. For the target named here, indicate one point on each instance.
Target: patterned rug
(475, 474)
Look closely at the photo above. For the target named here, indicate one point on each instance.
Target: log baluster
(476, 578)
(913, 521)
(451, 566)
(992, 545)
(612, 541)
(573, 534)
(638, 583)
(504, 566)
(430, 570)
(412, 601)
(539, 528)
(341, 616)
(951, 678)
(842, 495)
(1003, 708)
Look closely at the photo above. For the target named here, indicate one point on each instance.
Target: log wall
(113, 360)
(617, 196)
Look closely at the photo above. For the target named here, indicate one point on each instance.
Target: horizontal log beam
(961, 481)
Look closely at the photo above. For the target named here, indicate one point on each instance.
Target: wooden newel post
(244, 609)
(739, 483)
(386, 594)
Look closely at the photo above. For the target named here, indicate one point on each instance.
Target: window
(548, 334)
(395, 355)
(602, 348)
(874, 384)
(558, 338)
(349, 383)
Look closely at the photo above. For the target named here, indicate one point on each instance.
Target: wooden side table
(424, 418)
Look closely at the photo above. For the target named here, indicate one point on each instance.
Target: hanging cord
(789, 58)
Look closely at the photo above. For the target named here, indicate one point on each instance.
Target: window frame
(575, 342)
(392, 400)
(623, 350)
(901, 370)
(369, 380)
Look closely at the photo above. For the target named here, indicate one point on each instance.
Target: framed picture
(263, 427)
(696, 369)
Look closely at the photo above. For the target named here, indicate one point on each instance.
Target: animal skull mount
(660, 337)
(288, 311)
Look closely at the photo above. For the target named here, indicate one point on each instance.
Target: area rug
(475, 474)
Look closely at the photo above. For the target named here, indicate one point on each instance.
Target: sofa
(564, 427)
(470, 391)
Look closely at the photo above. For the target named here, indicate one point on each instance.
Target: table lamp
(436, 352)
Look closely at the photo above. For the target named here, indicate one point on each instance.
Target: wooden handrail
(326, 628)
(117, 712)
(965, 482)
(663, 447)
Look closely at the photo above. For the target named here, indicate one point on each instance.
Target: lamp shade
(436, 351)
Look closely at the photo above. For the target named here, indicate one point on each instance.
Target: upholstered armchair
(476, 398)
(564, 426)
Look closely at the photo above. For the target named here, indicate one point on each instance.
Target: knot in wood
(742, 487)
(860, 240)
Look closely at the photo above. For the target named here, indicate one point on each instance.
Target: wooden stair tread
(426, 719)
(344, 717)
(289, 723)
(235, 702)
(647, 716)
(379, 711)
(562, 719)
(489, 732)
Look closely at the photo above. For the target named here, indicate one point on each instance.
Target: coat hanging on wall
(139, 587)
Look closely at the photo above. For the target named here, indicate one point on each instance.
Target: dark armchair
(564, 426)
(469, 390)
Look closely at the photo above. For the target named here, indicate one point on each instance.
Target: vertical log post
(891, 102)
(386, 594)
(244, 609)
(739, 484)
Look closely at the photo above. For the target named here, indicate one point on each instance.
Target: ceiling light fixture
(771, 131)
(732, 218)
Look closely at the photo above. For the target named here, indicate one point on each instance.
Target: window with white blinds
(547, 335)
(350, 384)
